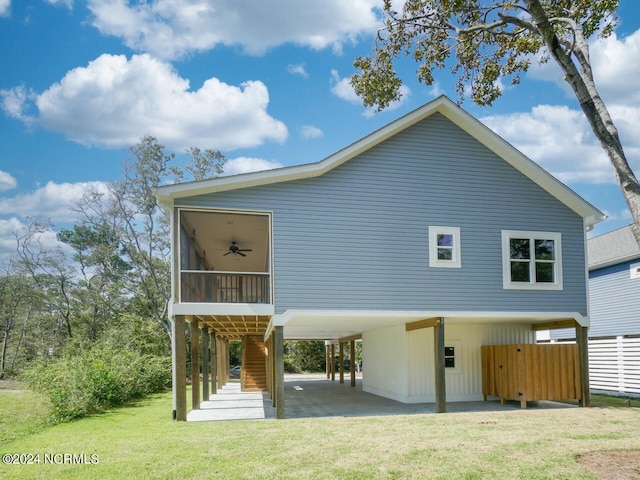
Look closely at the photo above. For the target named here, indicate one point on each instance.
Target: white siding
(384, 362)
(464, 383)
(399, 364)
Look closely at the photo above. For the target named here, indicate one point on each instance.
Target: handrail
(205, 286)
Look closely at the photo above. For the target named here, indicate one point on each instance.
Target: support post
(214, 364)
(279, 354)
(195, 365)
(219, 368)
(274, 359)
(438, 344)
(582, 339)
(352, 362)
(205, 363)
(327, 361)
(333, 362)
(180, 367)
(341, 361)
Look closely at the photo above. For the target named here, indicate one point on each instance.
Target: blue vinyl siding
(357, 237)
(615, 301)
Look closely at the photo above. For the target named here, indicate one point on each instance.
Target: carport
(313, 396)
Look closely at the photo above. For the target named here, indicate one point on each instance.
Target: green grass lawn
(141, 441)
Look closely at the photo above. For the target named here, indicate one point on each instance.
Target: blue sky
(264, 82)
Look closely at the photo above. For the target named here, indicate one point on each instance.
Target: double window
(531, 260)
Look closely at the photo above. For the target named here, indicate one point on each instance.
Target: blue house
(426, 239)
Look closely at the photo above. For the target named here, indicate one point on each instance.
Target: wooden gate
(531, 372)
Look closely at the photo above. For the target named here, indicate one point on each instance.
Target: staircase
(254, 370)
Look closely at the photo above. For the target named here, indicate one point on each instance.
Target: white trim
(443, 105)
(507, 284)
(260, 309)
(451, 316)
(177, 261)
(434, 261)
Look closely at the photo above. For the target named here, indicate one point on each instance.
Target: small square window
(444, 247)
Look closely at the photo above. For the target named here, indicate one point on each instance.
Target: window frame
(456, 248)
(532, 236)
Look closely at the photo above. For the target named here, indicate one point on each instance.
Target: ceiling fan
(233, 248)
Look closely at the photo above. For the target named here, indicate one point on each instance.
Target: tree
(127, 222)
(497, 40)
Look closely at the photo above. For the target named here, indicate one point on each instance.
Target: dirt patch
(11, 386)
(615, 465)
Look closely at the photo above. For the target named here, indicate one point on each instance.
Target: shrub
(89, 378)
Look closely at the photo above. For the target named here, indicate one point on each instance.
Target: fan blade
(226, 254)
(240, 253)
(245, 250)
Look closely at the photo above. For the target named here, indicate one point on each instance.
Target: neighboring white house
(432, 220)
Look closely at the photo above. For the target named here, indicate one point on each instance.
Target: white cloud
(559, 139)
(298, 70)
(616, 68)
(310, 131)
(66, 3)
(7, 182)
(13, 226)
(5, 7)
(614, 62)
(113, 101)
(15, 102)
(8, 228)
(341, 88)
(51, 201)
(173, 29)
(248, 164)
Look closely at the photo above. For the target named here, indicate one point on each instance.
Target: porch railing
(224, 287)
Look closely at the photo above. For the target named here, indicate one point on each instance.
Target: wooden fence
(531, 372)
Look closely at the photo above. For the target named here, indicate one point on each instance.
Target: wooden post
(333, 362)
(352, 361)
(341, 361)
(274, 358)
(214, 364)
(267, 361)
(195, 365)
(327, 362)
(582, 339)
(279, 354)
(205, 363)
(438, 347)
(226, 361)
(180, 380)
(219, 364)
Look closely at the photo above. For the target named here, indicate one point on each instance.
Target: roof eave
(168, 194)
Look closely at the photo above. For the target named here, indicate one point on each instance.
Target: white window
(444, 247)
(531, 260)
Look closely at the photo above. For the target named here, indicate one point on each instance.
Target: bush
(89, 378)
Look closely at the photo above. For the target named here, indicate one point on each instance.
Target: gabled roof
(611, 248)
(442, 105)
